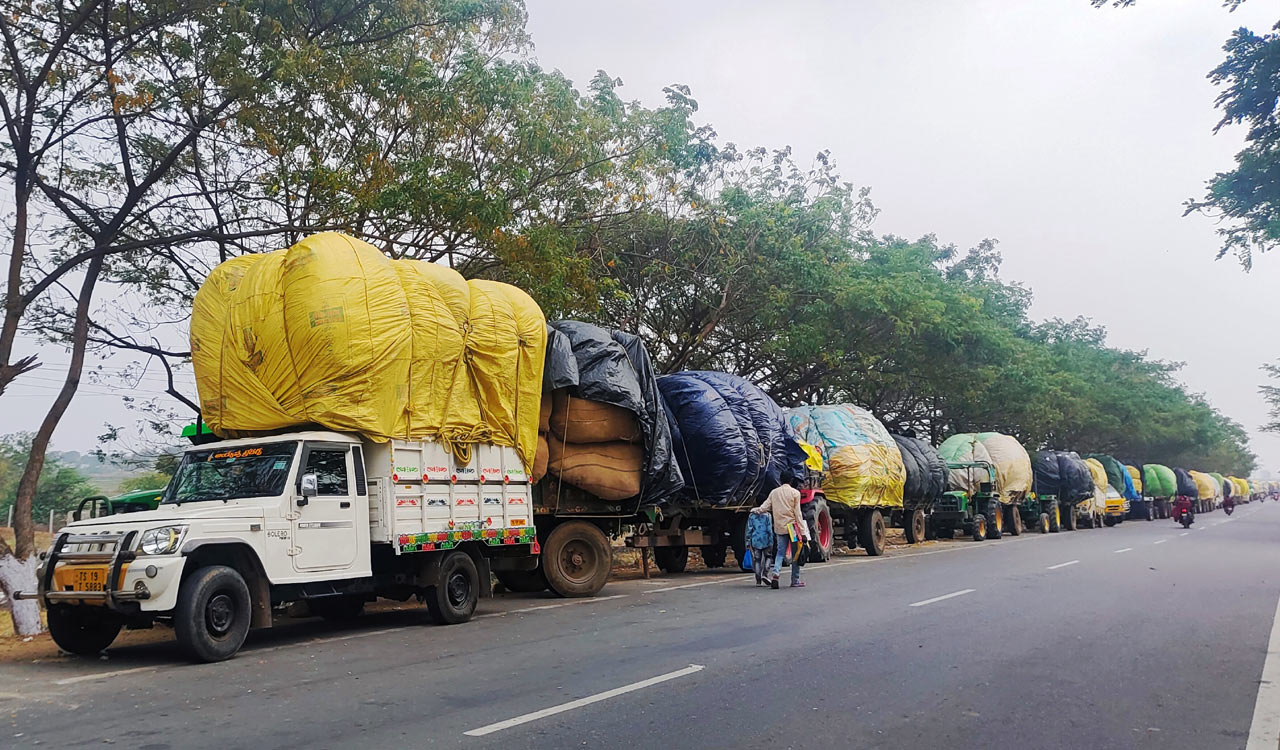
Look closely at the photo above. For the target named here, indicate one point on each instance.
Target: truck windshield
(230, 473)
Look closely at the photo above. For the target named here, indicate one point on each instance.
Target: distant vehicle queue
(385, 428)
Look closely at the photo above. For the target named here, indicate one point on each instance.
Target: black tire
(212, 618)
(1055, 517)
(671, 559)
(337, 608)
(713, 556)
(577, 559)
(1068, 518)
(1109, 521)
(1151, 511)
(1044, 523)
(995, 519)
(914, 527)
(825, 533)
(523, 581)
(872, 532)
(979, 528)
(83, 631)
(1186, 520)
(457, 591)
(945, 531)
(1015, 520)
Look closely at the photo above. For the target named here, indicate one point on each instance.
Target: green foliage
(60, 488)
(1272, 394)
(151, 480)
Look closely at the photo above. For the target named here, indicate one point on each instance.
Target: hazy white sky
(1071, 135)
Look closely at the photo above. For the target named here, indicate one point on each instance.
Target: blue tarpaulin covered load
(1117, 476)
(587, 366)
(1186, 485)
(926, 471)
(1062, 474)
(732, 441)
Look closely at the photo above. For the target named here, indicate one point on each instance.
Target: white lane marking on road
(1184, 533)
(1126, 549)
(557, 605)
(952, 595)
(579, 703)
(692, 585)
(102, 675)
(1160, 541)
(1264, 732)
(1062, 565)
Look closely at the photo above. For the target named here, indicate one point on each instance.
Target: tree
(121, 121)
(60, 487)
(1272, 394)
(151, 480)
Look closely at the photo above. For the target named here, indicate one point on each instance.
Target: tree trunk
(13, 306)
(20, 575)
(22, 561)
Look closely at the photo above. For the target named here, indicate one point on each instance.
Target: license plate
(92, 579)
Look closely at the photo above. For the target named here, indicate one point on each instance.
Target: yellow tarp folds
(863, 464)
(1205, 486)
(332, 332)
(1136, 476)
(1099, 484)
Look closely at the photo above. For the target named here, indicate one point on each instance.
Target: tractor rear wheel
(915, 530)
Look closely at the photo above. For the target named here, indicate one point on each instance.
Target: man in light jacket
(784, 503)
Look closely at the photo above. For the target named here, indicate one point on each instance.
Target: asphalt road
(1153, 637)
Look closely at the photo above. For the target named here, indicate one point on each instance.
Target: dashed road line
(1062, 565)
(102, 675)
(579, 703)
(557, 605)
(1160, 541)
(1126, 549)
(944, 597)
(1264, 731)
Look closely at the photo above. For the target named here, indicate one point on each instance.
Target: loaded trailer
(1062, 482)
(989, 477)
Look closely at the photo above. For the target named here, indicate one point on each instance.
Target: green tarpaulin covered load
(1159, 481)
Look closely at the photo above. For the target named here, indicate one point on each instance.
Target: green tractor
(978, 515)
(97, 506)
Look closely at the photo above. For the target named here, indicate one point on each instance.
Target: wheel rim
(917, 524)
(219, 614)
(458, 589)
(577, 560)
(1000, 520)
(878, 532)
(982, 527)
(1057, 516)
(826, 532)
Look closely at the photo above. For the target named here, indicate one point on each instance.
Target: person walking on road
(789, 528)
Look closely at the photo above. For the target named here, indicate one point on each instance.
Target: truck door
(324, 530)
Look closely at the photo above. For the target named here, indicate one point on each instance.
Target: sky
(1072, 135)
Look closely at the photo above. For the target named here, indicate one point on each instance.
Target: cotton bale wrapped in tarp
(603, 389)
(610, 471)
(1159, 481)
(1242, 487)
(1205, 487)
(1062, 474)
(331, 332)
(926, 471)
(1117, 476)
(1187, 485)
(864, 468)
(965, 448)
(733, 443)
(1135, 475)
(1221, 482)
(1013, 465)
(1100, 484)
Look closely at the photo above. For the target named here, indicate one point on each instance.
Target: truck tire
(872, 532)
(995, 519)
(671, 559)
(337, 608)
(713, 556)
(915, 527)
(82, 633)
(979, 528)
(211, 620)
(944, 530)
(1055, 517)
(523, 581)
(1151, 511)
(826, 531)
(577, 559)
(457, 591)
(1015, 520)
(1044, 523)
(1068, 518)
(1109, 521)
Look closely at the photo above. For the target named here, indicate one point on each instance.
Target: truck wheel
(713, 556)
(872, 532)
(979, 528)
(671, 559)
(457, 591)
(577, 559)
(1068, 518)
(995, 519)
(1015, 520)
(212, 616)
(915, 527)
(944, 531)
(1109, 521)
(1151, 512)
(826, 528)
(523, 581)
(337, 608)
(83, 634)
(1044, 523)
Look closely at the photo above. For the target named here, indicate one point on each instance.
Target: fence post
(51, 521)
(10, 524)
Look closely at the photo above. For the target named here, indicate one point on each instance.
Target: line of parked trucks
(400, 432)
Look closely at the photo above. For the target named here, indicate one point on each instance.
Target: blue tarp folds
(732, 441)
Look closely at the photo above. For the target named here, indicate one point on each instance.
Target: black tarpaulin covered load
(613, 367)
(926, 471)
(1062, 473)
(1186, 485)
(732, 441)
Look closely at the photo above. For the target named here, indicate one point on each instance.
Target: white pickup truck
(249, 526)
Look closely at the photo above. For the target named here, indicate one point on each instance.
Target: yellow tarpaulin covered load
(334, 333)
(1242, 487)
(1136, 476)
(1013, 465)
(1205, 485)
(864, 467)
(1099, 473)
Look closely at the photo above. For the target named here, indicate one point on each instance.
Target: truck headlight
(161, 541)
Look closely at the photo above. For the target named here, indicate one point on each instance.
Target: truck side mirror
(308, 487)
